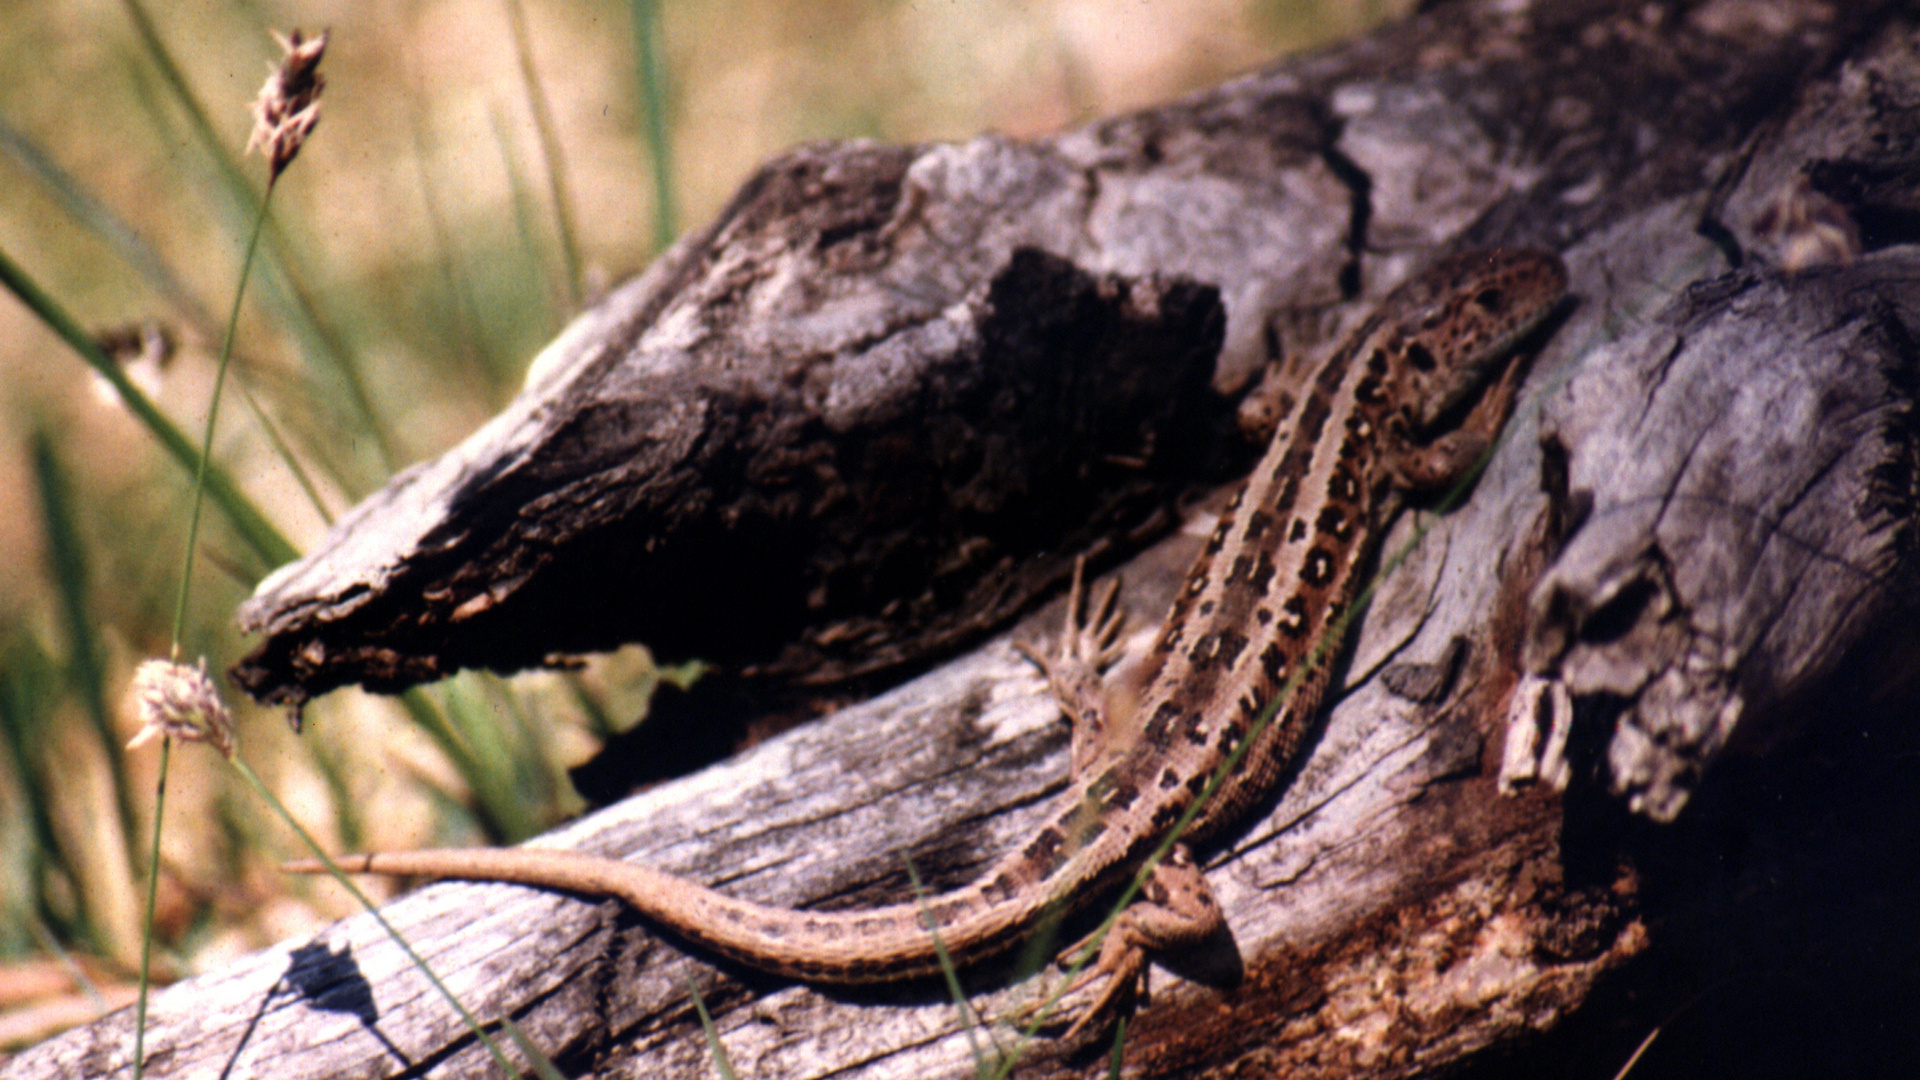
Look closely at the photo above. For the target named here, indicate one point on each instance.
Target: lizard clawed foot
(1089, 639)
(1175, 910)
(1123, 964)
(1089, 643)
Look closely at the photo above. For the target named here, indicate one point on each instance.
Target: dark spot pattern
(1343, 486)
(1202, 653)
(1317, 569)
(1293, 616)
(1159, 730)
(1333, 522)
(1286, 478)
(1044, 851)
(1370, 391)
(1241, 571)
(1001, 889)
(1263, 572)
(1231, 734)
(1219, 537)
(1313, 416)
(1195, 729)
(1273, 664)
(1229, 646)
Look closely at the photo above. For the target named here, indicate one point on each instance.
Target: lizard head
(1460, 319)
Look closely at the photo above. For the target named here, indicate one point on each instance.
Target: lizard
(1389, 414)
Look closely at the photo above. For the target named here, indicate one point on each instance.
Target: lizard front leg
(1447, 458)
(1089, 643)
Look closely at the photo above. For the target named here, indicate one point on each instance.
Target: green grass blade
(247, 520)
(548, 133)
(206, 441)
(503, 814)
(28, 688)
(653, 110)
(460, 310)
(98, 218)
(67, 566)
(525, 218)
(951, 975)
(153, 897)
(286, 455)
(720, 1063)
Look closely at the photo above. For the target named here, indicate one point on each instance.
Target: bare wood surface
(1392, 914)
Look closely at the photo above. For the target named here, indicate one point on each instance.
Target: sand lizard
(1386, 414)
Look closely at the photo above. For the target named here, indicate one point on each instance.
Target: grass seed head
(289, 104)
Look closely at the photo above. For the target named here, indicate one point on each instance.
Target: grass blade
(100, 219)
(654, 109)
(548, 132)
(67, 559)
(247, 520)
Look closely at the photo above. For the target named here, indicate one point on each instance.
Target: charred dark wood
(872, 475)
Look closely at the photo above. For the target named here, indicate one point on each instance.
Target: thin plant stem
(179, 629)
(653, 108)
(286, 455)
(721, 1064)
(213, 413)
(952, 976)
(549, 135)
(153, 893)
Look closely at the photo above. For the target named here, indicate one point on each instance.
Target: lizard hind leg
(1089, 644)
(1175, 910)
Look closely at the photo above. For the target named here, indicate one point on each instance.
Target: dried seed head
(180, 701)
(289, 104)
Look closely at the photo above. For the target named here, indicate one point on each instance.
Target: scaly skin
(1258, 609)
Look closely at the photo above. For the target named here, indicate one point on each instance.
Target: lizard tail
(844, 947)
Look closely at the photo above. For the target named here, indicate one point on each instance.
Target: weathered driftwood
(771, 453)
(1722, 517)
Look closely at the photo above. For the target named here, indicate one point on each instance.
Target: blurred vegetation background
(481, 170)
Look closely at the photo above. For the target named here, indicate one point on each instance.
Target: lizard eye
(1420, 358)
(1490, 299)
